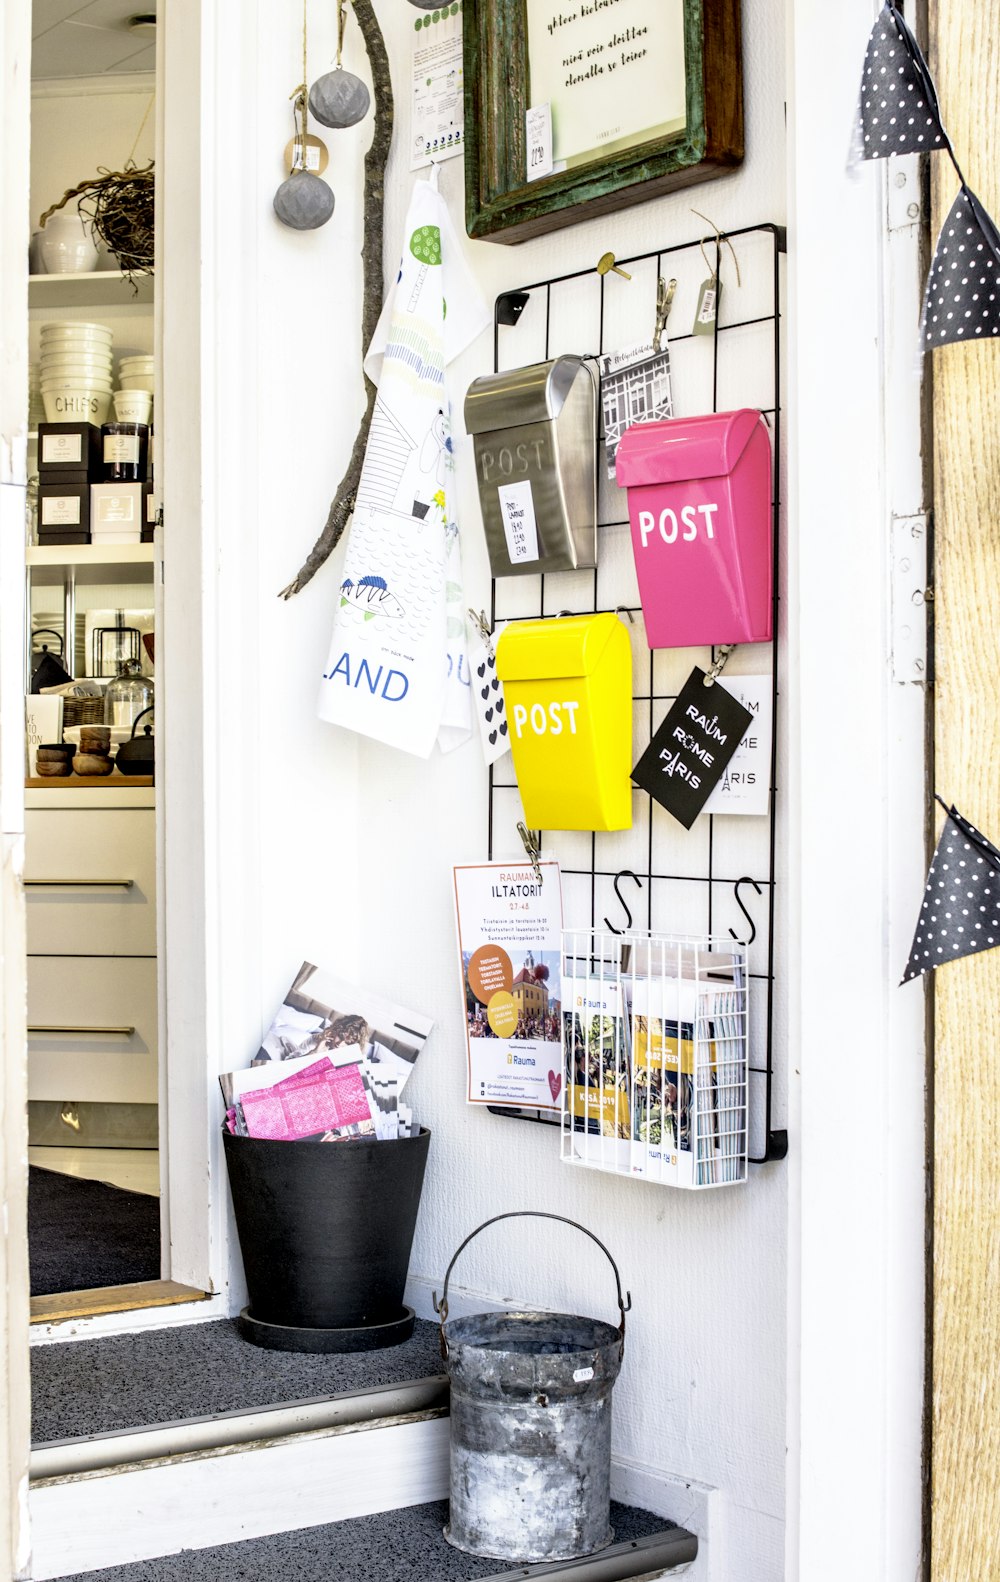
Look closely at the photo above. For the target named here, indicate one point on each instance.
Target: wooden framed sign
(639, 96)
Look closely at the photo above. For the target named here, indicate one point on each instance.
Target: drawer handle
(79, 884)
(57, 1027)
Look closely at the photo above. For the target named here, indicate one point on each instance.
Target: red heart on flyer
(555, 1083)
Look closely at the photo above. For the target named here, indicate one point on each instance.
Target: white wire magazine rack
(655, 1056)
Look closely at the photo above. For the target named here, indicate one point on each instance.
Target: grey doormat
(83, 1234)
(84, 1387)
(395, 1546)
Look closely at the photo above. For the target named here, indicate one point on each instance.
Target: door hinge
(911, 596)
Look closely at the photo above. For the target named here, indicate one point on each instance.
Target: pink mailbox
(699, 501)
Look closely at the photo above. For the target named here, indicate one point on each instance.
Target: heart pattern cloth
(960, 914)
(897, 108)
(489, 703)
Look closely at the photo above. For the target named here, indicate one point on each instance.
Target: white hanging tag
(707, 311)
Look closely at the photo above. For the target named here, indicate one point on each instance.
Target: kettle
(47, 670)
(137, 755)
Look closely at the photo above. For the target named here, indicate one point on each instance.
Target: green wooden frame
(502, 205)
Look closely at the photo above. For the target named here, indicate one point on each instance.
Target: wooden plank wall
(965, 1455)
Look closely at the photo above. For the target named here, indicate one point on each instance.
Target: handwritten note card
(517, 509)
(538, 127)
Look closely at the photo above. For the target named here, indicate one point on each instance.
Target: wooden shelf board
(90, 554)
(112, 1299)
(97, 288)
(92, 564)
(73, 782)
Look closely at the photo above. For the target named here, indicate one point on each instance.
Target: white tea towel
(398, 669)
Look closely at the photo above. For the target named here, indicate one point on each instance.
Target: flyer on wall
(509, 940)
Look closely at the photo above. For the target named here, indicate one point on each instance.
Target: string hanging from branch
(371, 254)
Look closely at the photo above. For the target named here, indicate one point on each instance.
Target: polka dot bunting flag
(962, 300)
(897, 108)
(898, 114)
(960, 914)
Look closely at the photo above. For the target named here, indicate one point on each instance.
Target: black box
(63, 508)
(63, 538)
(69, 452)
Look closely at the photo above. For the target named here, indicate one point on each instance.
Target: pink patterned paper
(325, 1098)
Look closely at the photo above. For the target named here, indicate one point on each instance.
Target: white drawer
(92, 1029)
(90, 881)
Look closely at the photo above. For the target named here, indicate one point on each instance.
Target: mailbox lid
(555, 649)
(536, 394)
(708, 446)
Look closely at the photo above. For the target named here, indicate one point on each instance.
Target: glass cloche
(127, 696)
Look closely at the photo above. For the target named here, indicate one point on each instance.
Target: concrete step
(408, 1546)
(124, 1480)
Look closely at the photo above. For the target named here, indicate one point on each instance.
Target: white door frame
(15, 1412)
(206, 218)
(857, 1059)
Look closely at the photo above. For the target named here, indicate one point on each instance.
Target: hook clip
(530, 841)
(718, 665)
(664, 302)
(482, 625)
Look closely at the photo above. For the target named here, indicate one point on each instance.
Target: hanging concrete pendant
(339, 98)
(303, 201)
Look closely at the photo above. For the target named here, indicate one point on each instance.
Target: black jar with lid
(124, 449)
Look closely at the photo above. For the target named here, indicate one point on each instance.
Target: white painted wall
(703, 1388)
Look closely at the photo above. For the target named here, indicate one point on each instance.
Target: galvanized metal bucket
(531, 1424)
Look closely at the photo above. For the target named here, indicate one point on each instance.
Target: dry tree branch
(371, 255)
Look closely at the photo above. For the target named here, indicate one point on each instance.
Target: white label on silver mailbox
(517, 511)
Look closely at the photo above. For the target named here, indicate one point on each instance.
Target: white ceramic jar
(66, 246)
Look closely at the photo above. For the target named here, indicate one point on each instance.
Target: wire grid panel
(655, 1056)
(719, 876)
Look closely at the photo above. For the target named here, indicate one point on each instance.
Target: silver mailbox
(535, 435)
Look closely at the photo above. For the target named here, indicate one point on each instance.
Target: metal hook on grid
(624, 873)
(530, 839)
(739, 902)
(623, 609)
(718, 665)
(483, 627)
(665, 291)
(606, 265)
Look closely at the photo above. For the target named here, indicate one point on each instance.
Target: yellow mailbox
(568, 686)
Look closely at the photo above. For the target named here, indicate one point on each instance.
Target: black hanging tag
(687, 756)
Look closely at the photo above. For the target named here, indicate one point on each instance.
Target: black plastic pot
(326, 1231)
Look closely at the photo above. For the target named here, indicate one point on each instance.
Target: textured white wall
(702, 1392)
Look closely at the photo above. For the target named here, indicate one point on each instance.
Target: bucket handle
(441, 1308)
